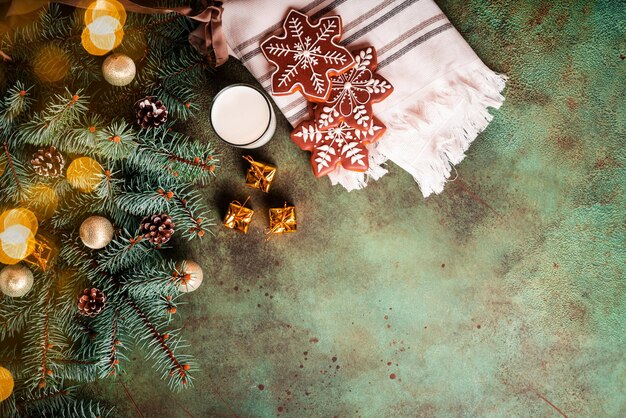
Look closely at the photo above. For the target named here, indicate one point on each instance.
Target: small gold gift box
(260, 175)
(238, 216)
(43, 253)
(282, 220)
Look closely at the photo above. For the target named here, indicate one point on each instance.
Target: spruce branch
(176, 368)
(17, 101)
(125, 251)
(16, 172)
(52, 125)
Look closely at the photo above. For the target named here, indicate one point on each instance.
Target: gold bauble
(96, 232)
(194, 280)
(119, 69)
(6, 383)
(16, 280)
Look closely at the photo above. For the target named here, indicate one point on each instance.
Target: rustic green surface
(503, 296)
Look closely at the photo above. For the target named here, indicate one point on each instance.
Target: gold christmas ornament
(16, 281)
(238, 216)
(6, 383)
(191, 277)
(96, 232)
(119, 69)
(260, 175)
(282, 220)
(44, 253)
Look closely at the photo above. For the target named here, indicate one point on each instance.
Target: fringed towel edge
(428, 137)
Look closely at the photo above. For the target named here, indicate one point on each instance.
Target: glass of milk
(242, 116)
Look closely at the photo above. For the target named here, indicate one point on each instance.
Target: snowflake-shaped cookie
(352, 94)
(306, 56)
(341, 144)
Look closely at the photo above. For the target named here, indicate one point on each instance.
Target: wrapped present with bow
(260, 175)
(238, 216)
(43, 253)
(282, 220)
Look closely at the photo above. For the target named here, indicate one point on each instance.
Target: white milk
(243, 117)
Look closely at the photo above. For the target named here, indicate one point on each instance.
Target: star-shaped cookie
(342, 144)
(306, 56)
(353, 92)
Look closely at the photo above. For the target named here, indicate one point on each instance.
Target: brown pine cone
(151, 112)
(48, 162)
(157, 228)
(91, 302)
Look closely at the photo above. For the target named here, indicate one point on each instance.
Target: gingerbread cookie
(306, 56)
(342, 144)
(352, 94)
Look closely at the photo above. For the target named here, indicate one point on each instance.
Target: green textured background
(503, 296)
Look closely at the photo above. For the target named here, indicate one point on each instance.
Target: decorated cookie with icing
(306, 56)
(341, 144)
(353, 93)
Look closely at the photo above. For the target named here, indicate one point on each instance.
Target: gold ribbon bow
(281, 220)
(260, 175)
(239, 219)
(207, 37)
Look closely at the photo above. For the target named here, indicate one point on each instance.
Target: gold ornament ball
(119, 69)
(194, 281)
(6, 383)
(16, 280)
(96, 232)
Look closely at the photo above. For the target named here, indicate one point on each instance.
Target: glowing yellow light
(17, 242)
(101, 36)
(42, 200)
(17, 235)
(84, 174)
(101, 8)
(19, 216)
(104, 20)
(51, 64)
(6, 383)
(104, 32)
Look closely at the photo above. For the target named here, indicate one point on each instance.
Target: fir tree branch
(12, 168)
(178, 371)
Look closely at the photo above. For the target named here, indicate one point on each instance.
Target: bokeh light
(42, 200)
(102, 35)
(84, 174)
(18, 228)
(101, 8)
(104, 31)
(51, 64)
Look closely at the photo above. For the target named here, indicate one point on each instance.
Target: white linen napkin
(442, 90)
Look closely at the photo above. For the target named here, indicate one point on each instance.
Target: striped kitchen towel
(442, 90)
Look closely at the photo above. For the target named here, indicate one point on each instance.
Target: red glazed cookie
(306, 56)
(331, 146)
(352, 94)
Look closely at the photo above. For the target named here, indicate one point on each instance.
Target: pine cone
(157, 228)
(151, 112)
(48, 162)
(91, 302)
